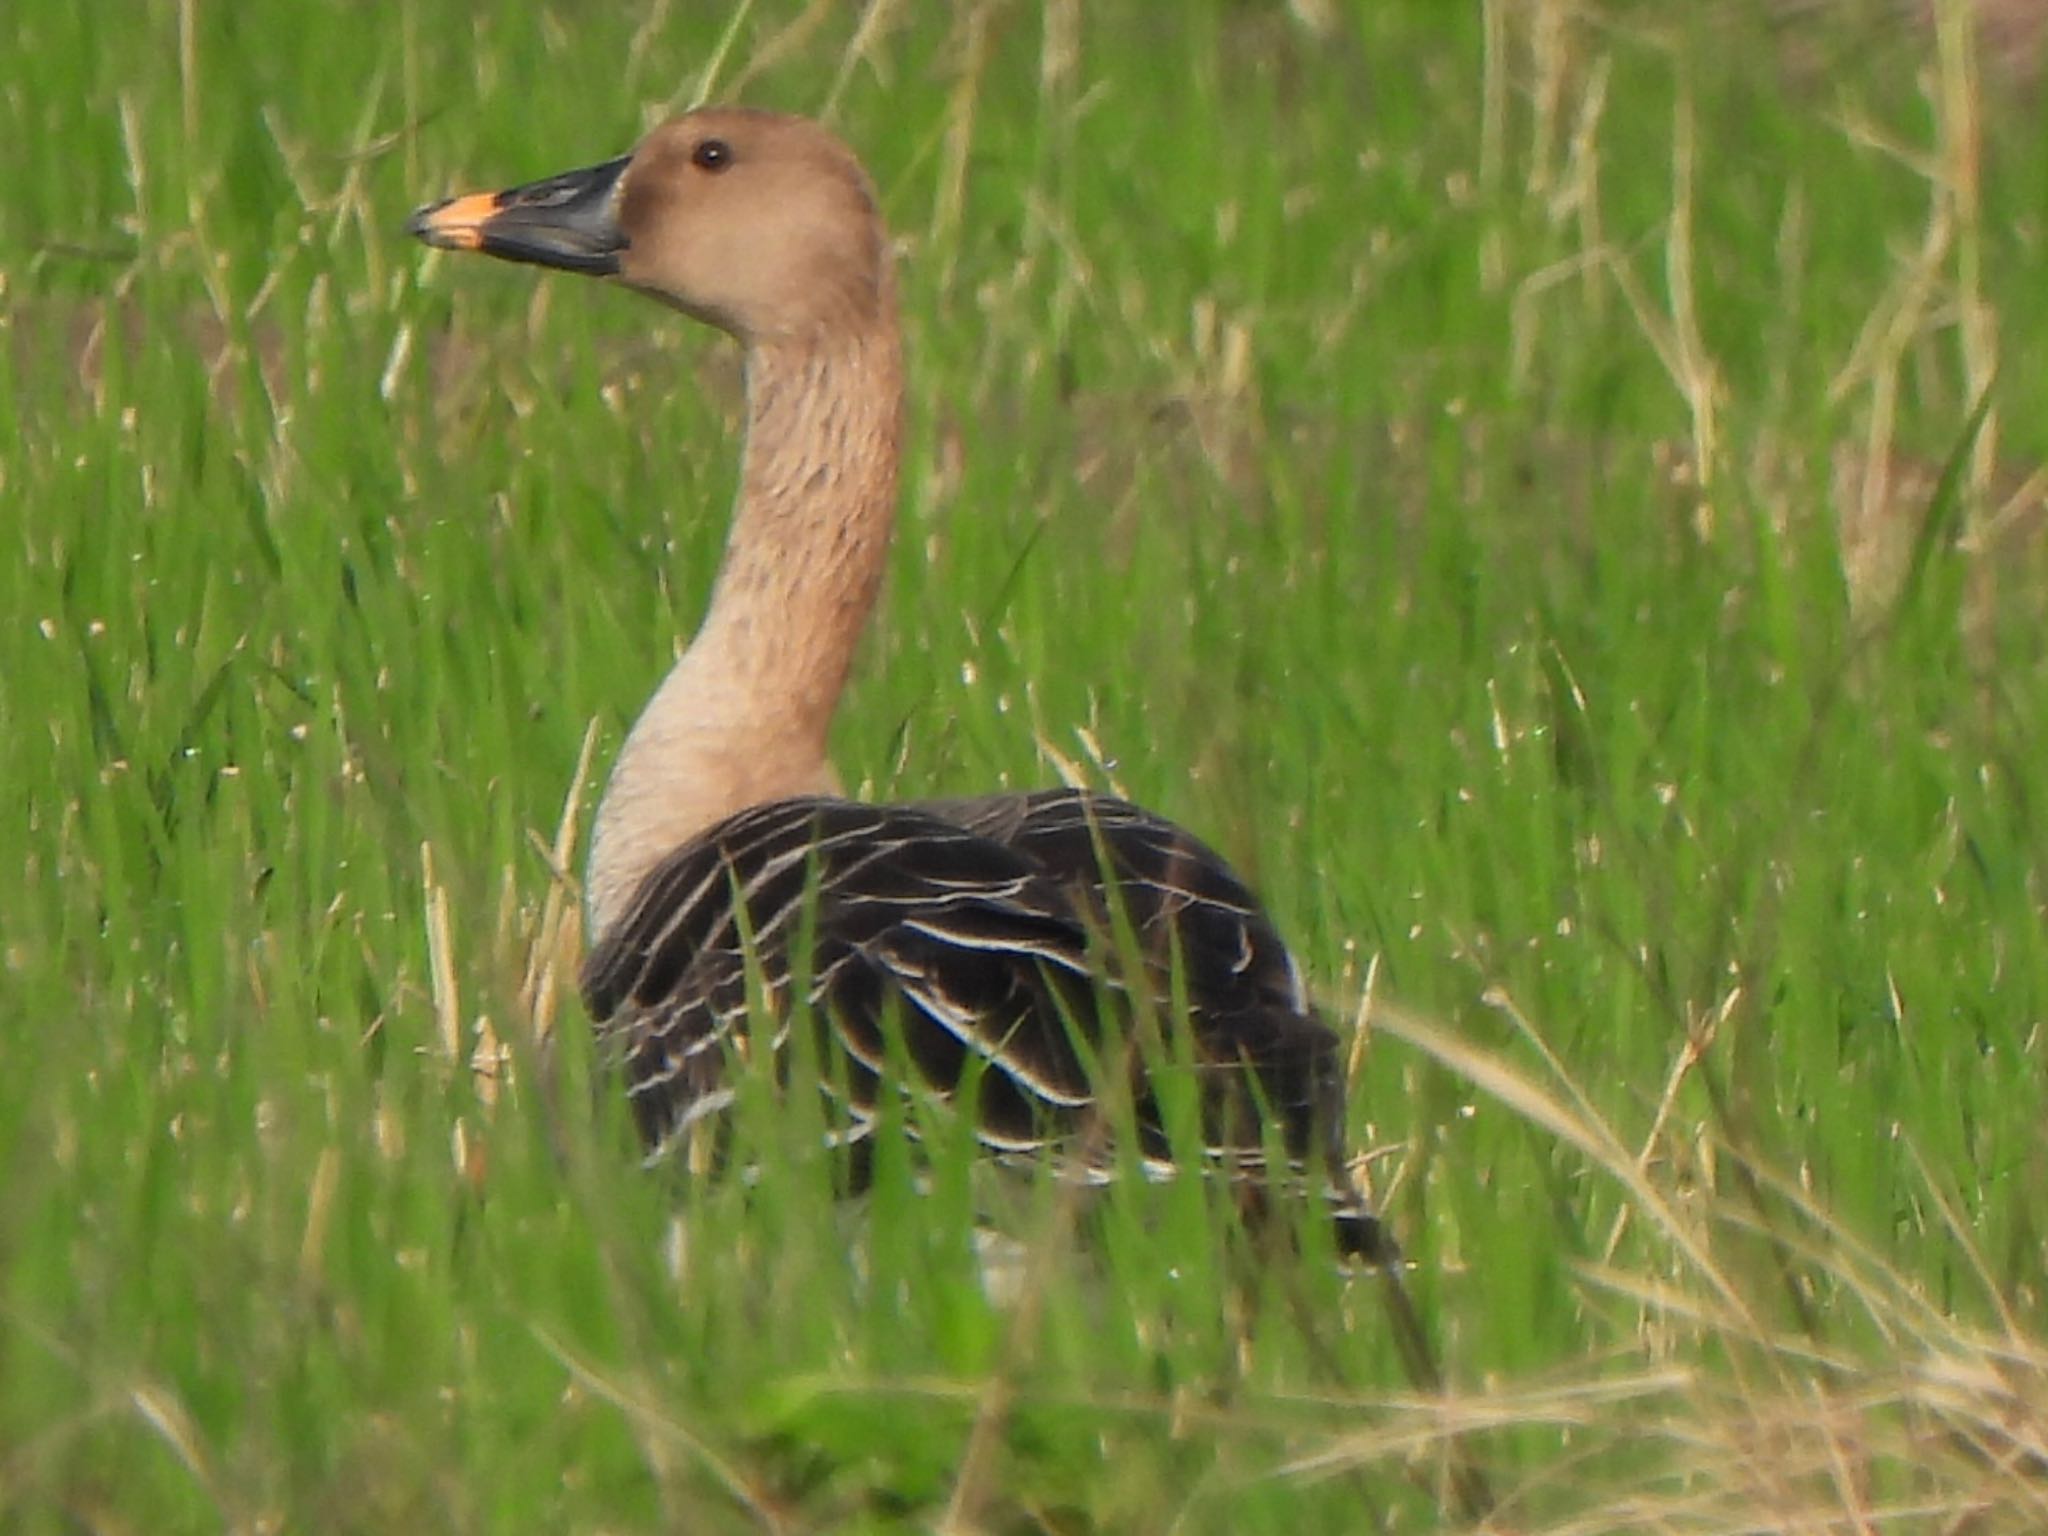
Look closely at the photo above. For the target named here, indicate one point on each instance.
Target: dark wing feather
(1172, 888)
(986, 930)
(962, 938)
(1246, 1002)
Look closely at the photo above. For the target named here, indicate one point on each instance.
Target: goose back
(1032, 953)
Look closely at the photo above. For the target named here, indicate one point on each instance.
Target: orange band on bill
(457, 224)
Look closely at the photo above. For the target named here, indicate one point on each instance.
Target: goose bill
(568, 221)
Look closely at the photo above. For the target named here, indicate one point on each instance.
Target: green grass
(1292, 448)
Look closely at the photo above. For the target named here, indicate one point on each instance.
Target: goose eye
(711, 155)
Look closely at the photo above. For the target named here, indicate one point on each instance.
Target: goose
(1005, 953)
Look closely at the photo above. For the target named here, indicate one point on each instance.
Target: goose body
(1024, 955)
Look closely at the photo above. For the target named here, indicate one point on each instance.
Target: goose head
(760, 224)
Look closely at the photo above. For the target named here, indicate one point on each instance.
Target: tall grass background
(1551, 489)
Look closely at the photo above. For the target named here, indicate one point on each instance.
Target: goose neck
(743, 716)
